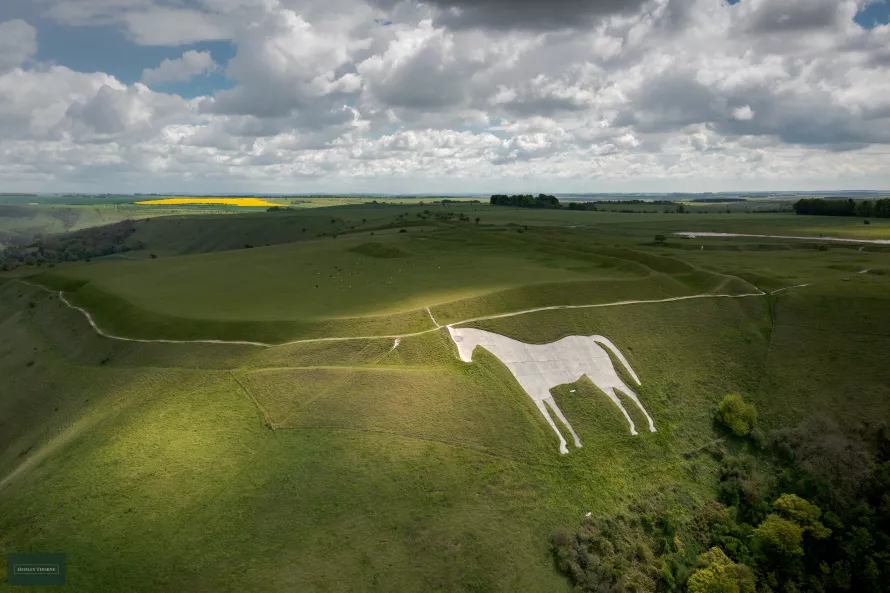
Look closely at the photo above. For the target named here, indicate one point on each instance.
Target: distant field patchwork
(244, 202)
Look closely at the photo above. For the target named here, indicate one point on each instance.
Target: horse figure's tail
(608, 344)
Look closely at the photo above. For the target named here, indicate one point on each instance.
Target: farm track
(105, 334)
(696, 234)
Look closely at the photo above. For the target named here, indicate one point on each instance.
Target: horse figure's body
(539, 368)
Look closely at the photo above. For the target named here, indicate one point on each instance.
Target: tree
(784, 535)
(778, 535)
(721, 575)
(820, 207)
(804, 513)
(737, 415)
(477, 220)
(865, 208)
(660, 239)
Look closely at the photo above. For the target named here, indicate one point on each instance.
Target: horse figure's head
(466, 339)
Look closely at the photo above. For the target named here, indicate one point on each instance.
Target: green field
(24, 222)
(352, 465)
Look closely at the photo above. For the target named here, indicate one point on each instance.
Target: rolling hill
(364, 463)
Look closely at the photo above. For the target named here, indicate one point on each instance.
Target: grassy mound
(320, 289)
(378, 250)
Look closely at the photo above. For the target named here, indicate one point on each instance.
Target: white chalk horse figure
(539, 368)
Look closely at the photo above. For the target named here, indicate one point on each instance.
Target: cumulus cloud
(523, 14)
(191, 64)
(287, 64)
(174, 26)
(743, 113)
(390, 95)
(795, 15)
(18, 42)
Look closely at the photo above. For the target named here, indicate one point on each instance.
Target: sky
(399, 96)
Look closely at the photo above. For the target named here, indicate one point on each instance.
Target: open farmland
(383, 466)
(241, 202)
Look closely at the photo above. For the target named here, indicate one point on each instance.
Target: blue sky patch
(107, 49)
(873, 15)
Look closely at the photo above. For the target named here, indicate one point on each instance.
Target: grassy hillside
(353, 465)
(341, 287)
(371, 464)
(23, 222)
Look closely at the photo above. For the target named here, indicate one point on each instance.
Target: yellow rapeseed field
(246, 202)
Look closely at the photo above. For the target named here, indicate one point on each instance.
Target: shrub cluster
(737, 415)
(79, 245)
(804, 509)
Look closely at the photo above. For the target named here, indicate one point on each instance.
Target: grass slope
(385, 478)
(151, 465)
(23, 222)
(335, 288)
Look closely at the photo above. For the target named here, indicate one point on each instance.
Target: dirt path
(399, 337)
(436, 323)
(105, 334)
(693, 235)
(788, 288)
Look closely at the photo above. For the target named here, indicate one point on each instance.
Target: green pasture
(24, 222)
(388, 469)
(624, 226)
(330, 287)
(339, 279)
(352, 465)
(408, 470)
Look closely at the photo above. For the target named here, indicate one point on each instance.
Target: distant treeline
(830, 207)
(525, 201)
(718, 200)
(548, 201)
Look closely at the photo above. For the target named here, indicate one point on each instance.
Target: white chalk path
(788, 288)
(693, 235)
(540, 367)
(105, 334)
(436, 323)
(110, 336)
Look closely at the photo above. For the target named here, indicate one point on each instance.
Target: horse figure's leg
(630, 393)
(614, 397)
(552, 403)
(540, 403)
